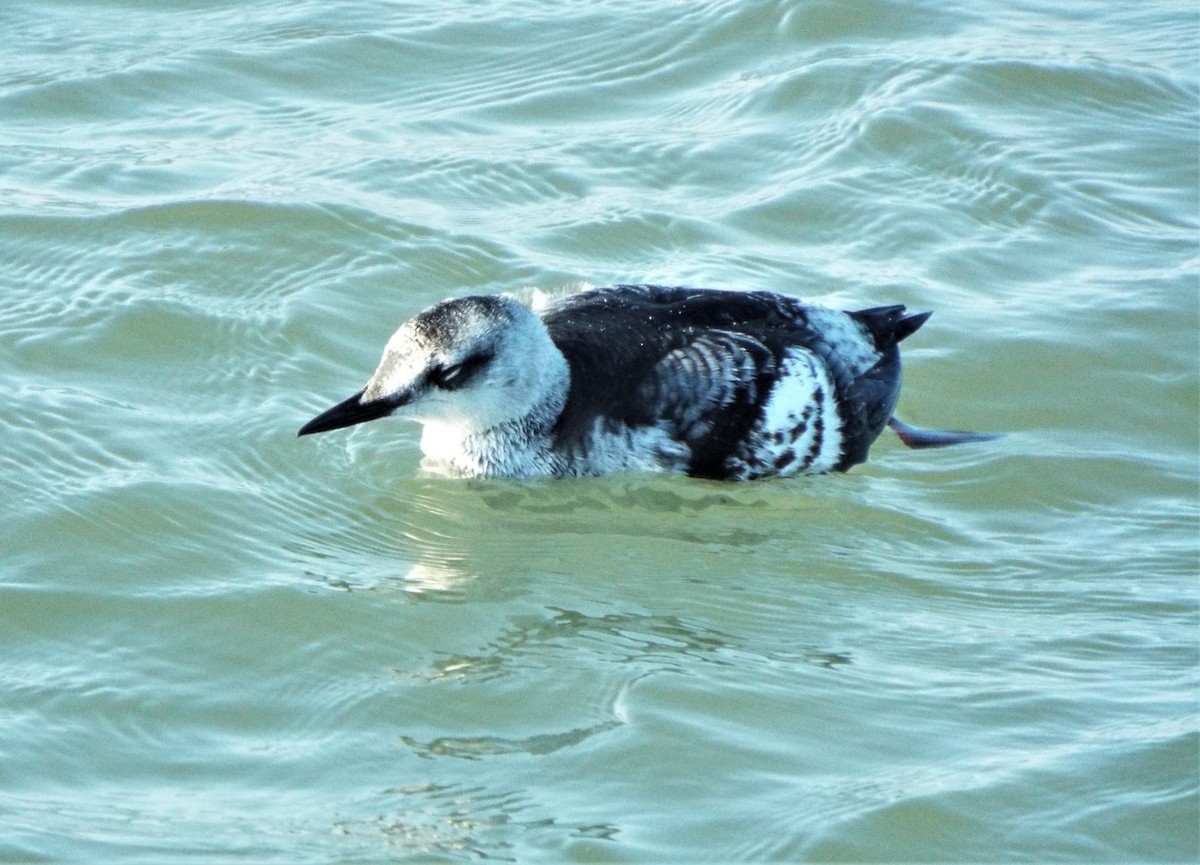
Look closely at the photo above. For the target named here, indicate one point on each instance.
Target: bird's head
(474, 362)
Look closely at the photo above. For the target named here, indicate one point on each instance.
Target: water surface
(221, 643)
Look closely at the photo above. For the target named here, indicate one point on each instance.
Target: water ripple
(209, 225)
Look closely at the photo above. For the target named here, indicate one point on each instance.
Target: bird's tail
(917, 437)
(889, 324)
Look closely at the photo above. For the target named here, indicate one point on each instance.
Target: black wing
(698, 361)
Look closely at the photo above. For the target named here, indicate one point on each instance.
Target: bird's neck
(516, 447)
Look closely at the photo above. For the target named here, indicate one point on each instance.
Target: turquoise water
(221, 643)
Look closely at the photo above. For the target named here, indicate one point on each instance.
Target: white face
(473, 361)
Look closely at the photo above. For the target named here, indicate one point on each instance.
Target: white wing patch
(800, 430)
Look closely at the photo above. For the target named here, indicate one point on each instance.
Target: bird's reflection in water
(453, 530)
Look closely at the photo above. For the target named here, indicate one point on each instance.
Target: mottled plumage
(717, 384)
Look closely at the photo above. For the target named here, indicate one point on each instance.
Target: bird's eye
(456, 375)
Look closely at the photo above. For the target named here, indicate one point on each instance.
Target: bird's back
(746, 383)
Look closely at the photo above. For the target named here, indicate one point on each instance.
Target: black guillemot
(720, 384)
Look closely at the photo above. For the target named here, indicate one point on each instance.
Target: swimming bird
(712, 383)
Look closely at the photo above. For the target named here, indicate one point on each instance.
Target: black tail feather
(909, 325)
(889, 324)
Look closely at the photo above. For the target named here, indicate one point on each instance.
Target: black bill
(348, 413)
